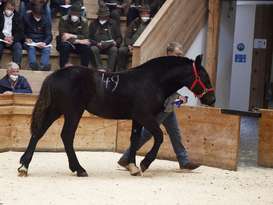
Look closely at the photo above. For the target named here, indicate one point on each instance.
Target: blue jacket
(21, 86)
(37, 31)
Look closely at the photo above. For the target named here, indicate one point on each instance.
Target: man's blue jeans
(45, 55)
(168, 119)
(16, 51)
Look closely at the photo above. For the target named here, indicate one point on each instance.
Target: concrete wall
(224, 66)
(241, 72)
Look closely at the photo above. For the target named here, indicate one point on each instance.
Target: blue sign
(240, 58)
(240, 46)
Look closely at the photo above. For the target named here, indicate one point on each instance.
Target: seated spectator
(63, 6)
(116, 8)
(38, 37)
(73, 36)
(154, 5)
(133, 32)
(135, 5)
(25, 8)
(105, 37)
(13, 82)
(11, 31)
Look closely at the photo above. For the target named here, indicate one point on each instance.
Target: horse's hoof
(143, 167)
(133, 169)
(82, 174)
(22, 171)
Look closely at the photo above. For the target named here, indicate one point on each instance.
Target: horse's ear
(198, 60)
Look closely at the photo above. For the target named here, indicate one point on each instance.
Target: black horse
(136, 94)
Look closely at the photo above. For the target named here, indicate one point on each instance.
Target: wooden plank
(5, 131)
(265, 150)
(177, 20)
(210, 137)
(213, 39)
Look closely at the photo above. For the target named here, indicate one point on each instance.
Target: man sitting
(38, 37)
(73, 36)
(116, 7)
(105, 36)
(11, 31)
(133, 32)
(13, 82)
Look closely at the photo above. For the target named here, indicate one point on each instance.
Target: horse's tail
(43, 102)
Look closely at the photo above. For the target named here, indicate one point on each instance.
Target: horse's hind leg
(153, 127)
(68, 133)
(27, 156)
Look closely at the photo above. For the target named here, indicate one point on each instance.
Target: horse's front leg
(135, 137)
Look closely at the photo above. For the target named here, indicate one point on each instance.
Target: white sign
(260, 43)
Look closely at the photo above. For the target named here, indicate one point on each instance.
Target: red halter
(199, 81)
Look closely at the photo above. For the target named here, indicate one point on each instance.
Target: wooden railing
(177, 20)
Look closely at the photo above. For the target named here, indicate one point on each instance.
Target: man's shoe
(190, 165)
(123, 162)
(34, 66)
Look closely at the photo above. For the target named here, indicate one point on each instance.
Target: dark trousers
(123, 58)
(112, 54)
(16, 49)
(82, 50)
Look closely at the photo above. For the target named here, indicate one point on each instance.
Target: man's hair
(172, 46)
(12, 65)
(11, 2)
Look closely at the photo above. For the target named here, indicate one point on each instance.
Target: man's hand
(41, 45)
(66, 36)
(8, 93)
(184, 99)
(28, 40)
(9, 40)
(83, 42)
(131, 48)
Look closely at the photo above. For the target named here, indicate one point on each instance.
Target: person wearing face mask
(38, 37)
(11, 31)
(133, 32)
(105, 36)
(73, 36)
(12, 82)
(116, 8)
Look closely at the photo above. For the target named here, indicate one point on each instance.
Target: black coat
(17, 27)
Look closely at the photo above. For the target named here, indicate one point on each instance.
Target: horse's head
(201, 85)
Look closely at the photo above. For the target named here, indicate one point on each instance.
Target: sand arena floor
(51, 182)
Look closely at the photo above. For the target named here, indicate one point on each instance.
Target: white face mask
(13, 77)
(37, 19)
(8, 12)
(74, 18)
(145, 18)
(103, 22)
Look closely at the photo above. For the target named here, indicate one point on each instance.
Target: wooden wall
(265, 150)
(93, 133)
(210, 137)
(177, 20)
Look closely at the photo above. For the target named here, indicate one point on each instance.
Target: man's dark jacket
(21, 86)
(17, 27)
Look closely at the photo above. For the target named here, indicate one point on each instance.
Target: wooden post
(212, 39)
